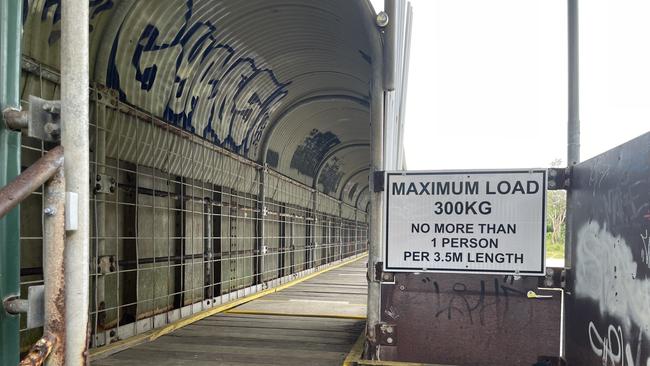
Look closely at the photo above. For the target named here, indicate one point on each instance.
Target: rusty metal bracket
(554, 277)
(104, 184)
(106, 264)
(381, 276)
(559, 178)
(41, 121)
(386, 334)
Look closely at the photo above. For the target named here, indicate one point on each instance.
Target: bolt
(52, 129)
(389, 340)
(98, 177)
(402, 287)
(112, 189)
(386, 276)
(382, 19)
(389, 330)
(49, 211)
(551, 184)
(51, 107)
(548, 282)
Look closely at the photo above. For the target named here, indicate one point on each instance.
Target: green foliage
(554, 249)
(555, 221)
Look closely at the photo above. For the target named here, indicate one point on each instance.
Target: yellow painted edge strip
(375, 362)
(152, 335)
(307, 315)
(357, 350)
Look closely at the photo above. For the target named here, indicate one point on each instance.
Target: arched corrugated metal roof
(285, 82)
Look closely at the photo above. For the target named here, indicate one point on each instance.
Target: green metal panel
(10, 31)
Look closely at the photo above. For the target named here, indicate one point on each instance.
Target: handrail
(47, 170)
(30, 180)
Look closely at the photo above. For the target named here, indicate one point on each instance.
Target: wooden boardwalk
(315, 322)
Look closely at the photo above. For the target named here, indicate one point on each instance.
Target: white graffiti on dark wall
(645, 249)
(216, 91)
(606, 273)
(612, 347)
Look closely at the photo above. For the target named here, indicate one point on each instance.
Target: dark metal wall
(467, 320)
(608, 311)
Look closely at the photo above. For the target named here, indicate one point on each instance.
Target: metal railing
(175, 220)
(47, 170)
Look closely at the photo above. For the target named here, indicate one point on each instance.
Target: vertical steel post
(390, 34)
(53, 266)
(99, 212)
(376, 198)
(314, 210)
(573, 131)
(10, 36)
(573, 125)
(208, 249)
(74, 138)
(259, 262)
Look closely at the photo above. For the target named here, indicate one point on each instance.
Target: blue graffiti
(228, 87)
(331, 176)
(311, 152)
(96, 7)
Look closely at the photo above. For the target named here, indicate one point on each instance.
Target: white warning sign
(465, 221)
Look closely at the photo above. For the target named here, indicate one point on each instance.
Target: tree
(556, 211)
(556, 215)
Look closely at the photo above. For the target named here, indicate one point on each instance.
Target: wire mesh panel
(179, 225)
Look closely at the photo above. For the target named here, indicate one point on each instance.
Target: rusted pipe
(39, 351)
(53, 265)
(15, 119)
(29, 181)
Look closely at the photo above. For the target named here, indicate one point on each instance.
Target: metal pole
(314, 210)
(376, 198)
(573, 125)
(74, 138)
(390, 45)
(259, 266)
(99, 213)
(10, 35)
(30, 180)
(53, 266)
(573, 132)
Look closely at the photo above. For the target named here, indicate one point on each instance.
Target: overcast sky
(488, 81)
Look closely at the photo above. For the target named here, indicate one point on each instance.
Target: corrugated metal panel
(226, 71)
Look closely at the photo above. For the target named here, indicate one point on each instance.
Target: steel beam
(573, 128)
(53, 266)
(573, 131)
(10, 41)
(376, 164)
(74, 138)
